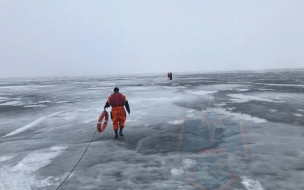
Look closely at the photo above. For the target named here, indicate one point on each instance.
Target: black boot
(120, 130)
(116, 135)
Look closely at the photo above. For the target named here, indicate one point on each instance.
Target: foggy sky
(58, 38)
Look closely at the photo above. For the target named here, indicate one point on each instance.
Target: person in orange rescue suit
(118, 115)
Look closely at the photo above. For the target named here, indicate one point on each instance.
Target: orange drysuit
(118, 115)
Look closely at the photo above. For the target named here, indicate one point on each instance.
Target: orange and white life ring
(103, 116)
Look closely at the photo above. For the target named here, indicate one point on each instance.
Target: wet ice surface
(232, 131)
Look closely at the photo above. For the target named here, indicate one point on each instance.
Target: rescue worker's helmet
(116, 89)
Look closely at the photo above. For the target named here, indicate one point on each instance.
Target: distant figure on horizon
(170, 76)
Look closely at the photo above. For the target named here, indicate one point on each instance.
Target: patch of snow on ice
(264, 89)
(190, 115)
(160, 99)
(22, 176)
(3, 98)
(82, 110)
(202, 93)
(11, 103)
(58, 148)
(300, 110)
(15, 181)
(132, 120)
(273, 110)
(190, 110)
(4, 158)
(239, 82)
(61, 102)
(188, 163)
(239, 115)
(301, 154)
(30, 125)
(173, 87)
(88, 121)
(251, 184)
(35, 106)
(175, 122)
(243, 90)
(20, 88)
(51, 180)
(97, 88)
(298, 115)
(221, 104)
(34, 161)
(40, 102)
(177, 172)
(241, 98)
(289, 85)
(142, 93)
(69, 117)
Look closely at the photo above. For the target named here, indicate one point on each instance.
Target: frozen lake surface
(199, 131)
